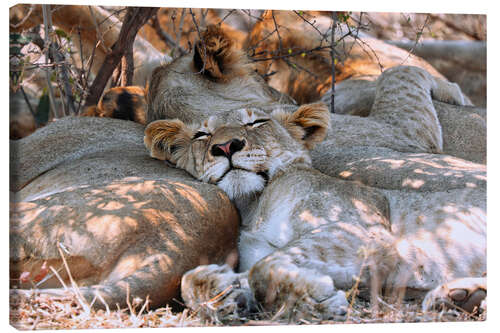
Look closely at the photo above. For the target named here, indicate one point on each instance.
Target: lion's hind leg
(404, 100)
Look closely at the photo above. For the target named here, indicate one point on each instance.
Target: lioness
(217, 77)
(127, 103)
(305, 236)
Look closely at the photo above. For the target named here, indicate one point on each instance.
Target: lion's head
(240, 151)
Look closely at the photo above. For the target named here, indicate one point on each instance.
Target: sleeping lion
(305, 236)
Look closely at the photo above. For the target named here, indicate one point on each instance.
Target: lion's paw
(215, 55)
(298, 292)
(463, 294)
(218, 292)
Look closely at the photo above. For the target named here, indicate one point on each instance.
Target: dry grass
(45, 312)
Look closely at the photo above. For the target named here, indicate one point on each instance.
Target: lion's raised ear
(308, 124)
(167, 139)
(216, 57)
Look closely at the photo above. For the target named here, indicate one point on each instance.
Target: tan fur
(306, 235)
(22, 125)
(113, 105)
(169, 20)
(307, 117)
(127, 226)
(181, 90)
(308, 74)
(220, 59)
(162, 134)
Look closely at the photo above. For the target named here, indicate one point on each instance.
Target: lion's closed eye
(257, 123)
(201, 135)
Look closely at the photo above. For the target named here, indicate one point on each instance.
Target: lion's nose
(228, 148)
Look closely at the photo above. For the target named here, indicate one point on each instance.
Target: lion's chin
(239, 183)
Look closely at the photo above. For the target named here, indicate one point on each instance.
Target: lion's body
(387, 204)
(125, 224)
(407, 225)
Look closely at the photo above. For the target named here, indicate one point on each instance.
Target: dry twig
(135, 18)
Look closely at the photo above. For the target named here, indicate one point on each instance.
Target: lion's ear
(167, 139)
(308, 124)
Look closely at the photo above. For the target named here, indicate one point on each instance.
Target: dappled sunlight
(422, 172)
(111, 205)
(27, 209)
(463, 164)
(193, 196)
(451, 240)
(156, 217)
(143, 227)
(345, 174)
(480, 177)
(56, 209)
(109, 227)
(334, 213)
(367, 214)
(413, 183)
(312, 220)
(393, 164)
(127, 266)
(418, 172)
(353, 229)
(425, 161)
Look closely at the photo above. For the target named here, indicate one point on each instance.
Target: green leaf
(43, 110)
(15, 50)
(61, 33)
(16, 38)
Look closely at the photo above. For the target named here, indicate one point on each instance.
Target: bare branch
(199, 37)
(417, 39)
(135, 18)
(332, 53)
(47, 22)
(179, 33)
(174, 44)
(292, 54)
(27, 101)
(98, 31)
(127, 67)
(226, 16)
(63, 77)
(15, 26)
(323, 35)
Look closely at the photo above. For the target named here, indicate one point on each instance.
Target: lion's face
(240, 151)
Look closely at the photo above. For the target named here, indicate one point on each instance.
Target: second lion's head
(239, 151)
